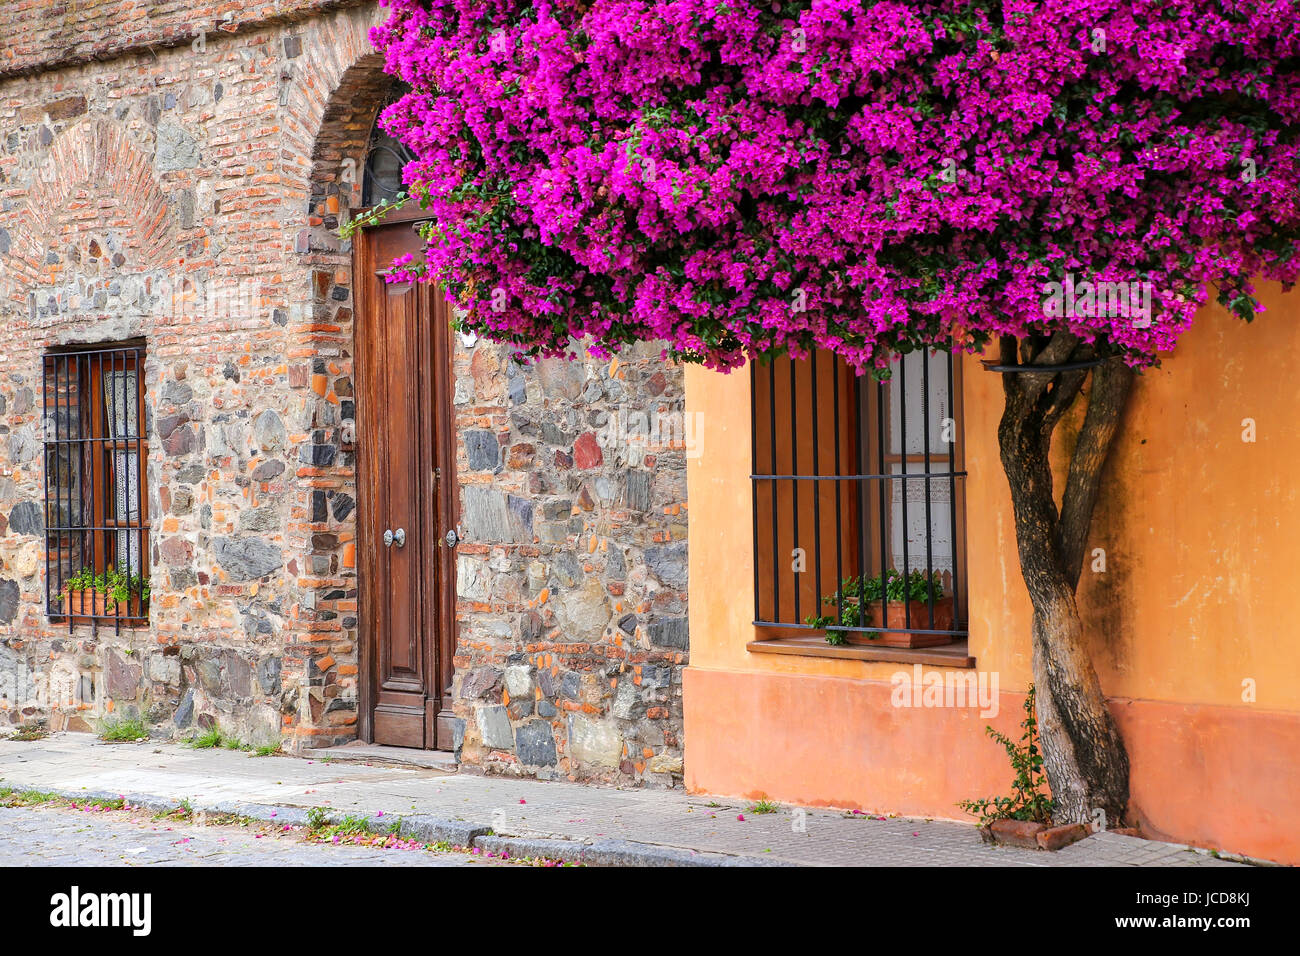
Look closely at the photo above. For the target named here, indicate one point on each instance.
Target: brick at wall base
(1054, 838)
(1022, 833)
(1034, 836)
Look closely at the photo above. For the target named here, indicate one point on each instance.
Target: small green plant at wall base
(860, 592)
(29, 731)
(764, 806)
(1029, 799)
(120, 729)
(116, 586)
(208, 739)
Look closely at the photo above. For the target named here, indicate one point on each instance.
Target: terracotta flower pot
(898, 613)
(85, 605)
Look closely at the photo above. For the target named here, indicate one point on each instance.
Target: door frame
(443, 512)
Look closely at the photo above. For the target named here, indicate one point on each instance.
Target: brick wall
(41, 35)
(172, 195)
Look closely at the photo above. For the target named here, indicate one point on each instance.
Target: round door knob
(388, 538)
(399, 537)
(451, 538)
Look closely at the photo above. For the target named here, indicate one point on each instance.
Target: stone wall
(190, 196)
(176, 196)
(572, 574)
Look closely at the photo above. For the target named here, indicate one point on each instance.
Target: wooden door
(406, 499)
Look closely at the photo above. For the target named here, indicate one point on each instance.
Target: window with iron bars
(96, 517)
(858, 502)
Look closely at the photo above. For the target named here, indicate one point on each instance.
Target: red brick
(1054, 838)
(1017, 832)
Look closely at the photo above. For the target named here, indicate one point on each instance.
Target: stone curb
(615, 852)
(429, 829)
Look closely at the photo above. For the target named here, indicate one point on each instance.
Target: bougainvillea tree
(1066, 180)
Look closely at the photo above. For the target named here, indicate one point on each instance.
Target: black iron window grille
(858, 501)
(96, 517)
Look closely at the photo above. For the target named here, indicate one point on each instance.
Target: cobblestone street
(60, 837)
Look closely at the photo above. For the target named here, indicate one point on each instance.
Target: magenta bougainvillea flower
(737, 178)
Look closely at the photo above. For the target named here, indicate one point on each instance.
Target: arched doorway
(406, 483)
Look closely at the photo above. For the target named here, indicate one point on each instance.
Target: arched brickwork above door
(333, 90)
(332, 97)
(94, 164)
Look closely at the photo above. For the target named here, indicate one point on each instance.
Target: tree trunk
(1087, 765)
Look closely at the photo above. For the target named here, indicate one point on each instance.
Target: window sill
(100, 624)
(956, 654)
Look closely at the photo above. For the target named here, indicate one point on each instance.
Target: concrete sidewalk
(570, 821)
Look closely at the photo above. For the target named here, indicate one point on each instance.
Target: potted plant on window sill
(863, 602)
(113, 593)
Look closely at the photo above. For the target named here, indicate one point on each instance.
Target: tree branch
(1066, 388)
(1055, 352)
(1111, 383)
(1007, 355)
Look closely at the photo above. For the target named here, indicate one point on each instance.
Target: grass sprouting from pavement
(119, 729)
(27, 732)
(208, 739)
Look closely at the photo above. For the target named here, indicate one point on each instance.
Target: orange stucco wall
(1201, 533)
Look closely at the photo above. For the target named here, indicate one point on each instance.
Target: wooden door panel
(401, 664)
(404, 401)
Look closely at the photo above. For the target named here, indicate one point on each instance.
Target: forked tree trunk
(1087, 765)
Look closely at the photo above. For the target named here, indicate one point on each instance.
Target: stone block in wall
(584, 612)
(665, 763)
(669, 632)
(269, 434)
(247, 559)
(17, 682)
(595, 742)
(473, 578)
(668, 563)
(535, 743)
(518, 681)
(494, 727)
(268, 670)
(482, 450)
(560, 377)
(628, 704)
(10, 598)
(122, 676)
(481, 682)
(27, 517)
(184, 714)
(485, 515)
(165, 669)
(176, 149)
